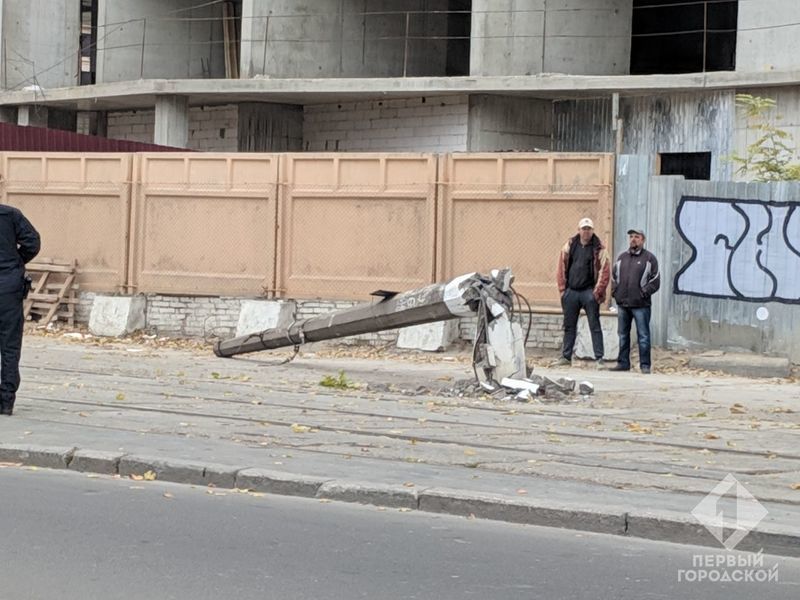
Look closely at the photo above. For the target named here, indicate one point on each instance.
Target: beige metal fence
(81, 206)
(204, 224)
(307, 225)
(518, 210)
(353, 223)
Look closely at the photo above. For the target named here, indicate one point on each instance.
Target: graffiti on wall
(741, 249)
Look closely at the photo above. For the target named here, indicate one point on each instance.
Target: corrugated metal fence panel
(204, 224)
(745, 256)
(80, 204)
(583, 126)
(518, 210)
(17, 138)
(695, 122)
(352, 223)
(688, 122)
(631, 203)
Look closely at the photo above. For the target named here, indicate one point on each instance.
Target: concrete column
(528, 37)
(33, 116)
(507, 37)
(172, 121)
(84, 123)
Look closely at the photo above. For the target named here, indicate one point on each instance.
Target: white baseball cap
(585, 222)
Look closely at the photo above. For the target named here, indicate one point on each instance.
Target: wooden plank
(31, 268)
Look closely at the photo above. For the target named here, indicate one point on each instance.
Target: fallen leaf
(737, 409)
(149, 476)
(136, 477)
(469, 452)
(635, 427)
(297, 428)
(795, 486)
(408, 484)
(120, 396)
(711, 436)
(83, 414)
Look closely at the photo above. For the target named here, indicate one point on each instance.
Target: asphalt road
(68, 536)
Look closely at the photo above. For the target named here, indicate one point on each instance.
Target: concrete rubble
(534, 388)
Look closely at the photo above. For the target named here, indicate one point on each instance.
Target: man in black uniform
(19, 243)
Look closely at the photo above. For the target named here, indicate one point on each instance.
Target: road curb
(528, 511)
(666, 526)
(49, 457)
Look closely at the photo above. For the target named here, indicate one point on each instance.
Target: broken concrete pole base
(259, 315)
(114, 316)
(429, 337)
(583, 342)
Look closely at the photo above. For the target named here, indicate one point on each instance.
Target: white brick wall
(398, 125)
(211, 128)
(197, 317)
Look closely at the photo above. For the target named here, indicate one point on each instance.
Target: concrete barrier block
(431, 337)
(583, 343)
(114, 316)
(258, 315)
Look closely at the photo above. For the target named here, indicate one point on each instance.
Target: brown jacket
(602, 268)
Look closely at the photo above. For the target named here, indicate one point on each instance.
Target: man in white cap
(634, 280)
(582, 275)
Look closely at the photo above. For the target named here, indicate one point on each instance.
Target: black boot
(7, 405)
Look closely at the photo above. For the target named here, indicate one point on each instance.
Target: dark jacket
(600, 268)
(19, 243)
(634, 278)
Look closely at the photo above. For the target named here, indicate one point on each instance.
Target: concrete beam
(172, 121)
(126, 95)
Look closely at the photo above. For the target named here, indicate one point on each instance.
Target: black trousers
(11, 323)
(572, 302)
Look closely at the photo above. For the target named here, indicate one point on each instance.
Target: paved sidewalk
(633, 460)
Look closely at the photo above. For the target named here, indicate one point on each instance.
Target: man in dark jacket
(582, 276)
(19, 243)
(634, 279)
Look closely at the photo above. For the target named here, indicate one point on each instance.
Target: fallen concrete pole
(461, 297)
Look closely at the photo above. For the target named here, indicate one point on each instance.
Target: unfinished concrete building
(405, 75)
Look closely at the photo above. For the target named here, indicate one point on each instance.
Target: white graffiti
(742, 249)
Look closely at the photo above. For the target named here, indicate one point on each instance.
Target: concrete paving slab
(640, 444)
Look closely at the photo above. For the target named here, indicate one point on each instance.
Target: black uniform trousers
(11, 325)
